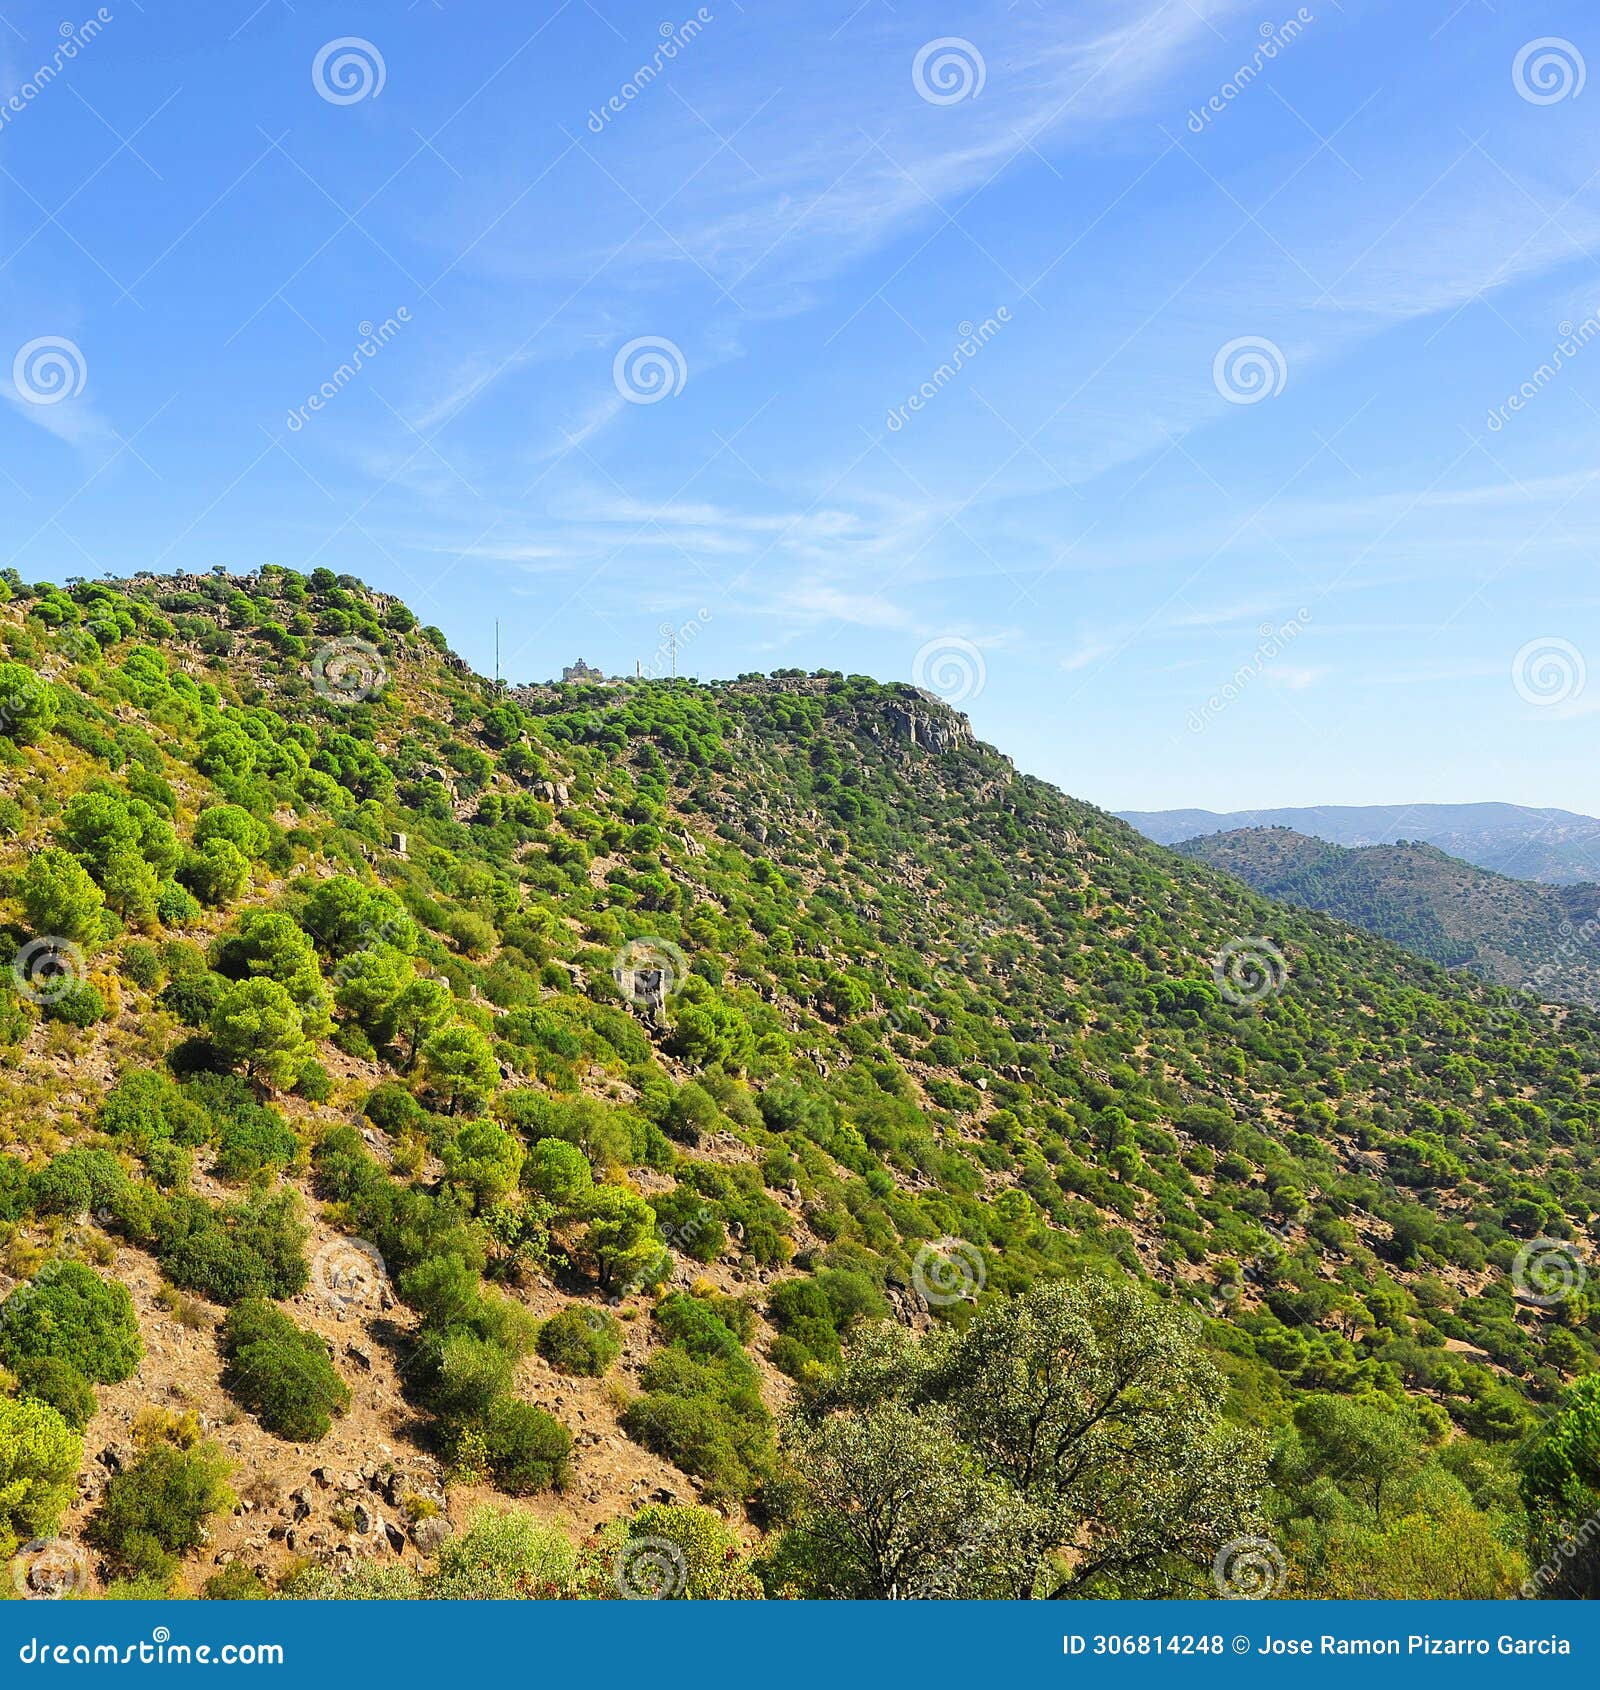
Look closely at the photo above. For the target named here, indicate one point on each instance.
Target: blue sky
(1093, 530)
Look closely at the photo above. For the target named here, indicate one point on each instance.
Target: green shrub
(53, 1380)
(505, 1553)
(716, 1568)
(582, 1341)
(559, 1172)
(154, 1512)
(392, 1109)
(485, 1158)
(228, 1252)
(146, 1108)
(251, 1136)
(77, 1181)
(800, 1309)
(217, 873)
(141, 963)
(702, 1406)
(235, 1583)
(59, 898)
(39, 1458)
(529, 1450)
(176, 907)
(68, 1311)
(280, 1372)
(81, 1005)
(237, 826)
(192, 990)
(469, 1376)
(313, 1082)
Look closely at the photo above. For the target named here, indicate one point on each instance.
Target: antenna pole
(497, 651)
(673, 639)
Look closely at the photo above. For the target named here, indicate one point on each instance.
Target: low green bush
(39, 1458)
(53, 1380)
(529, 1450)
(583, 1341)
(230, 1251)
(69, 1312)
(155, 1512)
(282, 1373)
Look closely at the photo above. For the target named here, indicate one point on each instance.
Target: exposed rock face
(927, 722)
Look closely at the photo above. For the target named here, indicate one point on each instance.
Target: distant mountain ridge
(1515, 933)
(1552, 847)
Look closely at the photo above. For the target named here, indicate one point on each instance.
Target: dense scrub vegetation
(1544, 940)
(777, 1023)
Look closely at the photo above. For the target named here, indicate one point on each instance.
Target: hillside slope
(533, 1094)
(1542, 939)
(1553, 847)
